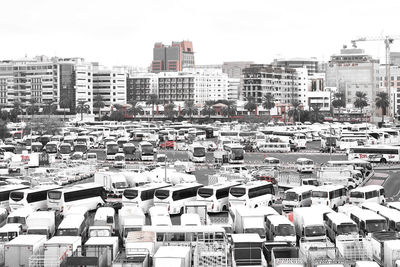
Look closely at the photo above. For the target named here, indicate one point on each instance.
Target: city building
(395, 58)
(111, 85)
(281, 82)
(394, 86)
(175, 87)
(233, 89)
(234, 69)
(174, 57)
(311, 64)
(140, 86)
(351, 71)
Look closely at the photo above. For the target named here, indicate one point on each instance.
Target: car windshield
(54, 195)
(290, 196)
(347, 229)
(237, 191)
(205, 192)
(357, 194)
(319, 194)
(162, 194)
(375, 226)
(17, 196)
(314, 231)
(199, 152)
(285, 230)
(131, 193)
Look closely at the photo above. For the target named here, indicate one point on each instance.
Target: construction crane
(387, 40)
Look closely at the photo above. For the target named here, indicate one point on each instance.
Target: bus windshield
(17, 196)
(285, 230)
(112, 148)
(147, 150)
(319, 194)
(199, 152)
(16, 219)
(237, 191)
(205, 192)
(315, 230)
(54, 195)
(131, 194)
(237, 152)
(290, 196)
(80, 148)
(51, 148)
(65, 149)
(162, 194)
(375, 226)
(346, 229)
(357, 194)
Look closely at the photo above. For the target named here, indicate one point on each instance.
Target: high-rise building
(172, 57)
(282, 82)
(351, 71)
(310, 63)
(176, 87)
(394, 86)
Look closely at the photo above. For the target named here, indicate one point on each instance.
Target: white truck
(285, 257)
(130, 219)
(378, 241)
(115, 183)
(41, 223)
(18, 250)
(110, 242)
(172, 256)
(249, 221)
(309, 223)
(104, 223)
(392, 253)
(60, 247)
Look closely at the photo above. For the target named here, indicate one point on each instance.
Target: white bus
(141, 196)
(216, 196)
(65, 151)
(235, 153)
(89, 195)
(338, 224)
(34, 198)
(332, 196)
(274, 147)
(111, 150)
(174, 197)
(297, 197)
(380, 154)
(5, 191)
(51, 147)
(304, 165)
(368, 193)
(253, 194)
(272, 162)
(368, 221)
(146, 151)
(197, 152)
(392, 216)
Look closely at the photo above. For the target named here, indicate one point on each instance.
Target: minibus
(368, 193)
(332, 196)
(304, 165)
(297, 197)
(338, 224)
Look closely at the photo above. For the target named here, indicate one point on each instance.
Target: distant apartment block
(310, 63)
(174, 57)
(234, 69)
(140, 86)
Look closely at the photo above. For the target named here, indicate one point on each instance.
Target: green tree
(135, 108)
(169, 110)
(295, 112)
(64, 103)
(250, 105)
(268, 102)
(382, 102)
(152, 101)
(17, 110)
(117, 115)
(98, 102)
(4, 133)
(82, 107)
(32, 108)
(339, 101)
(315, 112)
(208, 109)
(230, 109)
(361, 100)
(189, 109)
(50, 107)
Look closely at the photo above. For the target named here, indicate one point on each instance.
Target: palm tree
(189, 108)
(316, 108)
(32, 107)
(208, 109)
(65, 102)
(295, 104)
(382, 102)
(230, 109)
(98, 102)
(339, 101)
(250, 105)
(50, 107)
(361, 101)
(152, 101)
(82, 107)
(17, 108)
(268, 102)
(135, 108)
(169, 110)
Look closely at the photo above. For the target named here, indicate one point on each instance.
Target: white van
(304, 165)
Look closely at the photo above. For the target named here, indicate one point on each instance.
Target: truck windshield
(237, 191)
(205, 192)
(17, 196)
(37, 232)
(316, 230)
(319, 194)
(112, 149)
(375, 226)
(147, 150)
(290, 196)
(54, 195)
(80, 148)
(357, 194)
(162, 194)
(67, 232)
(131, 193)
(346, 229)
(199, 152)
(285, 230)
(16, 219)
(237, 153)
(4, 237)
(120, 185)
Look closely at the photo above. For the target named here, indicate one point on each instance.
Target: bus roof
(301, 189)
(304, 159)
(143, 143)
(254, 184)
(71, 221)
(367, 188)
(10, 187)
(80, 187)
(39, 188)
(150, 186)
(328, 187)
(279, 219)
(339, 218)
(222, 185)
(366, 214)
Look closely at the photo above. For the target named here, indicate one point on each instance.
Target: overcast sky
(115, 32)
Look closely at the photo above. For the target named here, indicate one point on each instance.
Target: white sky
(117, 32)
